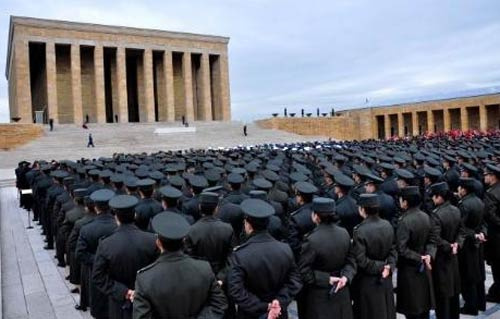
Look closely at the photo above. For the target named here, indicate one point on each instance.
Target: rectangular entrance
(380, 127)
(38, 78)
(422, 122)
(438, 120)
(131, 57)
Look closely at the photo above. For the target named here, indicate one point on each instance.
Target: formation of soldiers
(243, 232)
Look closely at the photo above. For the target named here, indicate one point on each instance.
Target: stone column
(430, 121)
(50, 55)
(188, 86)
(206, 98)
(76, 84)
(149, 98)
(225, 95)
(446, 120)
(22, 100)
(401, 125)
(464, 119)
(99, 84)
(168, 72)
(387, 125)
(121, 75)
(414, 123)
(483, 118)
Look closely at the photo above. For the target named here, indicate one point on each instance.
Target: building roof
(80, 26)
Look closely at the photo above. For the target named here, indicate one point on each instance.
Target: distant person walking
(245, 130)
(51, 124)
(91, 141)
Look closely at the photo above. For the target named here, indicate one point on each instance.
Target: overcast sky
(332, 53)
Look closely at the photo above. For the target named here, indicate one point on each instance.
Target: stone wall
(14, 135)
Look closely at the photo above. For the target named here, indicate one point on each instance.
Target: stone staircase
(69, 141)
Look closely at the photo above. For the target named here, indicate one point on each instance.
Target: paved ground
(33, 286)
(70, 141)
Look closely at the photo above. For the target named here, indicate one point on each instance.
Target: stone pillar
(76, 84)
(446, 120)
(387, 125)
(188, 86)
(483, 118)
(168, 72)
(224, 86)
(464, 119)
(430, 121)
(414, 123)
(121, 75)
(99, 84)
(22, 100)
(50, 55)
(401, 125)
(149, 98)
(206, 98)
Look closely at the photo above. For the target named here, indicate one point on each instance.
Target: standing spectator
(86, 118)
(91, 141)
(51, 124)
(245, 130)
(116, 118)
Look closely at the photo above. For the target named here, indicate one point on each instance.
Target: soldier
(103, 225)
(176, 286)
(235, 196)
(191, 206)
(120, 255)
(492, 217)
(326, 266)
(263, 279)
(346, 209)
(451, 174)
(53, 191)
(170, 197)
(300, 220)
(210, 238)
(446, 276)
(416, 245)
(147, 207)
(470, 256)
(375, 250)
(387, 207)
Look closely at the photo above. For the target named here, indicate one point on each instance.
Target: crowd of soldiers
(243, 232)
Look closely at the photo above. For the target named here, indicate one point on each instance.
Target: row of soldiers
(325, 224)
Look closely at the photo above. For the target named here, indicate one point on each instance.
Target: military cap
(368, 200)
(235, 178)
(372, 179)
(156, 175)
(466, 182)
(298, 177)
(464, 154)
(252, 168)
(198, 181)
(131, 181)
(404, 174)
(323, 205)
(340, 158)
(419, 157)
(492, 169)
(468, 167)
(270, 175)
(117, 178)
(343, 180)
(68, 180)
(332, 171)
(258, 194)
(80, 193)
(439, 188)
(212, 175)
(94, 172)
(399, 160)
(170, 192)
(410, 191)
(123, 202)
(262, 183)
(141, 173)
(387, 166)
(273, 168)
(305, 188)
(176, 181)
(238, 170)
(59, 174)
(433, 162)
(170, 226)
(256, 208)
(432, 172)
(105, 174)
(102, 196)
(209, 198)
(213, 189)
(171, 169)
(145, 183)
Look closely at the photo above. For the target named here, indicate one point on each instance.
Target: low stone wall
(13, 135)
(338, 127)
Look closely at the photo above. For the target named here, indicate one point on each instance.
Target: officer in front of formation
(175, 285)
(416, 245)
(263, 279)
(375, 251)
(120, 255)
(102, 225)
(327, 266)
(445, 272)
